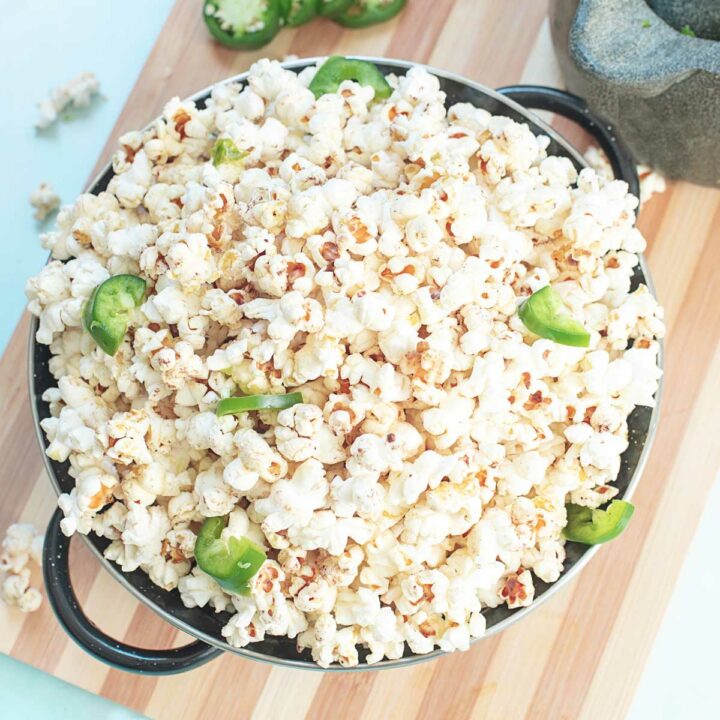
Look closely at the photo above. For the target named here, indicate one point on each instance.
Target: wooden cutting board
(581, 654)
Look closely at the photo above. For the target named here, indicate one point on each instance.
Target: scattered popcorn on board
(21, 547)
(651, 181)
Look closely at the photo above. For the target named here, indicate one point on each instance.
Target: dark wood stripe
(234, 688)
(453, 690)
(320, 37)
(341, 696)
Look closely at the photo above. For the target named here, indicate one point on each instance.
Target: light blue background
(28, 694)
(44, 43)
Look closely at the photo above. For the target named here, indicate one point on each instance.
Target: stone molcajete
(653, 68)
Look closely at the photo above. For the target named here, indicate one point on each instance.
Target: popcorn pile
(371, 255)
(21, 545)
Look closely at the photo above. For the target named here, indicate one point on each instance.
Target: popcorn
(278, 274)
(449, 421)
(521, 473)
(16, 591)
(206, 431)
(131, 241)
(111, 523)
(68, 433)
(325, 530)
(295, 433)
(21, 546)
(75, 94)
(426, 471)
(370, 255)
(61, 290)
(287, 316)
(130, 186)
(214, 496)
(188, 257)
(373, 311)
(142, 537)
(518, 590)
(45, 200)
(317, 596)
(198, 590)
(357, 608)
(292, 502)
(126, 433)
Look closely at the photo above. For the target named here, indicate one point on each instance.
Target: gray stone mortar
(659, 86)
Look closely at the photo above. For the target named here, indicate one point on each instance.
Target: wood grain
(578, 656)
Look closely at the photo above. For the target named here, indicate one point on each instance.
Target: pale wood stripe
(37, 510)
(651, 217)
(670, 532)
(541, 67)
(671, 261)
(582, 653)
(75, 666)
(287, 695)
(240, 682)
(191, 695)
(113, 610)
(11, 626)
(183, 696)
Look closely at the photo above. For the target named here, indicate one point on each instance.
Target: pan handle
(90, 638)
(539, 97)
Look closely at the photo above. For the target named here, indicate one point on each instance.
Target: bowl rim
(565, 578)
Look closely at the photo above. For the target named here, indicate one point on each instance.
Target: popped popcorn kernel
(20, 549)
(45, 200)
